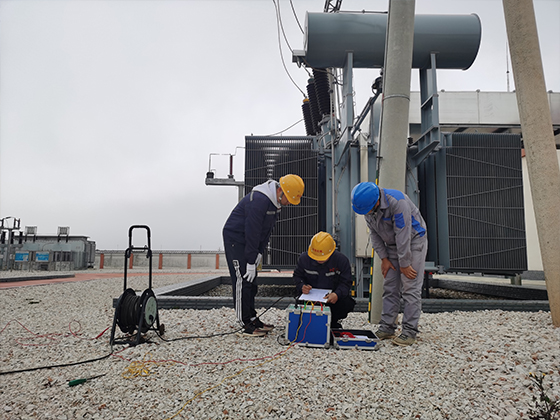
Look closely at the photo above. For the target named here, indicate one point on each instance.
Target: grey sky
(109, 110)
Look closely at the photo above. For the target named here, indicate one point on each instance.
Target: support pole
(538, 139)
(394, 119)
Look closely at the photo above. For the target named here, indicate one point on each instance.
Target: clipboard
(315, 295)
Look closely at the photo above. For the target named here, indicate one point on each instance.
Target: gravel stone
(465, 365)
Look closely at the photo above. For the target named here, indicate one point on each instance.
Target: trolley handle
(147, 248)
(131, 228)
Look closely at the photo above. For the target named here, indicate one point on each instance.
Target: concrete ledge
(508, 291)
(428, 305)
(45, 277)
(469, 305)
(187, 296)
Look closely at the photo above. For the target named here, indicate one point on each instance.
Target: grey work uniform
(398, 232)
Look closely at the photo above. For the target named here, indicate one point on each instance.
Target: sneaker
(250, 330)
(382, 335)
(404, 340)
(262, 326)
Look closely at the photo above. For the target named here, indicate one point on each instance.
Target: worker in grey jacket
(398, 236)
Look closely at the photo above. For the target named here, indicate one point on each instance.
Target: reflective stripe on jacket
(250, 224)
(335, 274)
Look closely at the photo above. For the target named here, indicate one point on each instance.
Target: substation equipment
(135, 313)
(468, 185)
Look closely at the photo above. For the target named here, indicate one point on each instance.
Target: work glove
(251, 273)
(258, 261)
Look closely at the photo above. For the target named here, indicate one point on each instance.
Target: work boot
(250, 330)
(383, 335)
(404, 340)
(262, 326)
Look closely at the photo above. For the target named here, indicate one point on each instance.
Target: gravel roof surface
(465, 365)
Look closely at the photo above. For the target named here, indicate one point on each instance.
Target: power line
(286, 129)
(279, 26)
(295, 15)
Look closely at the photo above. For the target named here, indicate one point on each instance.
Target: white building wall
(534, 261)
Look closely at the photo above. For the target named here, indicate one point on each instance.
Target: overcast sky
(109, 110)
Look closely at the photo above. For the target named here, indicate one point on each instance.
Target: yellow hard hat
(293, 186)
(321, 247)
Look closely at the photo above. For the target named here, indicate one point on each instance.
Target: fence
(163, 259)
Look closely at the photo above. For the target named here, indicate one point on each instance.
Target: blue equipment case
(355, 339)
(308, 325)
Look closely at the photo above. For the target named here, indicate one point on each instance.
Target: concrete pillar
(538, 139)
(131, 261)
(189, 262)
(217, 261)
(160, 265)
(394, 119)
(101, 261)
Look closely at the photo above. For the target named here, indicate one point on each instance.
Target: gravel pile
(279, 290)
(471, 365)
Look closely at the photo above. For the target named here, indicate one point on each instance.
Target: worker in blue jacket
(323, 267)
(246, 234)
(398, 236)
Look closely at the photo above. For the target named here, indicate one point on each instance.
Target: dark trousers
(341, 308)
(243, 292)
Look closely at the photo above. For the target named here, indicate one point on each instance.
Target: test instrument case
(309, 325)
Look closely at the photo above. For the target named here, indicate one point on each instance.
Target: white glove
(251, 273)
(258, 261)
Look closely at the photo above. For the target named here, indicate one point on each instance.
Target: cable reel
(133, 312)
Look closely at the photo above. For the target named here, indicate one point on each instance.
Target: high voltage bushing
(305, 108)
(314, 105)
(322, 90)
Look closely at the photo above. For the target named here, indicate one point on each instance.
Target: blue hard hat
(364, 197)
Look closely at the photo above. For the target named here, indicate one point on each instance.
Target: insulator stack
(306, 109)
(322, 90)
(314, 105)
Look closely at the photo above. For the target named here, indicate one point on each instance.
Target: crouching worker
(246, 235)
(323, 267)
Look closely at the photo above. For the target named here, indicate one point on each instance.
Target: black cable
(197, 336)
(219, 334)
(111, 353)
(58, 366)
